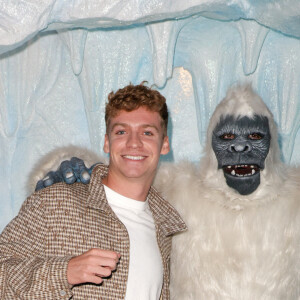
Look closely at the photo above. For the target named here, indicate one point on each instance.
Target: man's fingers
(104, 253)
(103, 258)
(101, 271)
(90, 277)
(107, 264)
(95, 262)
(93, 279)
(95, 270)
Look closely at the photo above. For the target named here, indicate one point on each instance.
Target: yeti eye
(227, 136)
(255, 136)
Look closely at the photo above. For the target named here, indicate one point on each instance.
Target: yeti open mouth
(241, 170)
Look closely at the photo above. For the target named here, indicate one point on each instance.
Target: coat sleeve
(25, 270)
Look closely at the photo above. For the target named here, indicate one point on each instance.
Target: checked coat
(63, 221)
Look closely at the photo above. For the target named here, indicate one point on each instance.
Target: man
(242, 208)
(110, 239)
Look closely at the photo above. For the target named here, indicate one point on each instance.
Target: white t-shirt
(145, 275)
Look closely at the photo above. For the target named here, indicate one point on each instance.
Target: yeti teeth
(232, 170)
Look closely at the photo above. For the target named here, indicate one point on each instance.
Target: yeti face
(241, 146)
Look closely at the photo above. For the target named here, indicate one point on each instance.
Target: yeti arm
(68, 164)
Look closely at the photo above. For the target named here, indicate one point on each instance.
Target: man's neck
(131, 188)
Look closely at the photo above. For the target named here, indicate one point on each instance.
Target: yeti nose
(240, 147)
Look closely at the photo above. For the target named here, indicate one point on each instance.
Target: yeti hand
(70, 171)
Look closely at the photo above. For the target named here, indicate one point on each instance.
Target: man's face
(241, 147)
(135, 141)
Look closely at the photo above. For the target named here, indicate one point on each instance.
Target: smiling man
(110, 239)
(134, 140)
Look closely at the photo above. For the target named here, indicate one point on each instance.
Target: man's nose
(134, 140)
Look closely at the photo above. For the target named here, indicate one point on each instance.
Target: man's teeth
(233, 172)
(134, 157)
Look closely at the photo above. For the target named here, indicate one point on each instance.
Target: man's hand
(70, 171)
(92, 266)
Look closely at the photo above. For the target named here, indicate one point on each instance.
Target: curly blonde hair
(132, 97)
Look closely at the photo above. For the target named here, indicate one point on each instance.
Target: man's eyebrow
(119, 124)
(152, 126)
(143, 126)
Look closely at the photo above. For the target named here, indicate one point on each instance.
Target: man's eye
(227, 136)
(149, 133)
(255, 136)
(120, 132)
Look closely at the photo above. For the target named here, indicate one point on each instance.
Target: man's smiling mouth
(134, 157)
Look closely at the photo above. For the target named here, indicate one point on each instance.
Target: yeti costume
(238, 247)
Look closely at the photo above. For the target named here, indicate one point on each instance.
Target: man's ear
(106, 144)
(165, 149)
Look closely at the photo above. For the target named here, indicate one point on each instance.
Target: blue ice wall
(60, 59)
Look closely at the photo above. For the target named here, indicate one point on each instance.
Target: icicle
(253, 36)
(289, 113)
(163, 38)
(75, 41)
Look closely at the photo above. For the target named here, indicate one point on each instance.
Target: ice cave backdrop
(59, 60)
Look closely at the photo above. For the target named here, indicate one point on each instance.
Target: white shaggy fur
(245, 254)
(236, 247)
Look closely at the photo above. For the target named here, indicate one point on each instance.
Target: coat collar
(164, 215)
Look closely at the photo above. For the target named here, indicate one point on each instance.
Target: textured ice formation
(60, 59)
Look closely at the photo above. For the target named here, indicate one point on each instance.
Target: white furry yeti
(241, 247)
(242, 208)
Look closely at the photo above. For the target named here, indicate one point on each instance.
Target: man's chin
(137, 173)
